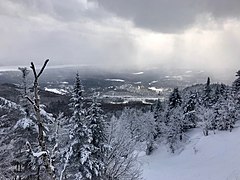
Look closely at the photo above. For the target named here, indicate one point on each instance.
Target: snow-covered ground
(213, 157)
(156, 89)
(57, 91)
(138, 73)
(116, 80)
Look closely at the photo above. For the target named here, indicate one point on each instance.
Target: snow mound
(213, 157)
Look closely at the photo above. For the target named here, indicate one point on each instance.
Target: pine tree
(219, 92)
(174, 128)
(217, 95)
(158, 108)
(81, 137)
(175, 99)
(206, 98)
(174, 125)
(236, 83)
(76, 104)
(16, 131)
(225, 113)
(158, 112)
(87, 147)
(148, 130)
(236, 92)
(189, 109)
(96, 122)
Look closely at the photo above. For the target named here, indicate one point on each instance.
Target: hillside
(213, 157)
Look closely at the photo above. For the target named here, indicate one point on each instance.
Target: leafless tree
(36, 105)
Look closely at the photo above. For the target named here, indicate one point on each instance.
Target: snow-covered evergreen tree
(175, 127)
(158, 111)
(190, 111)
(96, 122)
(81, 137)
(76, 104)
(206, 98)
(220, 91)
(148, 130)
(236, 92)
(16, 130)
(175, 99)
(86, 152)
(225, 113)
(207, 119)
(236, 83)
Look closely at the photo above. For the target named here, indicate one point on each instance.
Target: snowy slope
(213, 157)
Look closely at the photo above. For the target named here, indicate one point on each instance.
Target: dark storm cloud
(170, 16)
(121, 33)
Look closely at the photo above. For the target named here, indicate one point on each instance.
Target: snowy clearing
(115, 80)
(152, 82)
(156, 89)
(213, 157)
(139, 82)
(56, 91)
(138, 73)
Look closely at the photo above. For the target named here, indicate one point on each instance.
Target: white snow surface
(116, 80)
(152, 82)
(156, 89)
(138, 73)
(56, 91)
(213, 157)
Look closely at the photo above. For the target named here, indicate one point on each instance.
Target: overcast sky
(119, 33)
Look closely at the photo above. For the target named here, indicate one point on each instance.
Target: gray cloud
(76, 32)
(122, 33)
(170, 16)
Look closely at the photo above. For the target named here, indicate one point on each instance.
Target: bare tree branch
(31, 101)
(34, 70)
(28, 98)
(43, 67)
